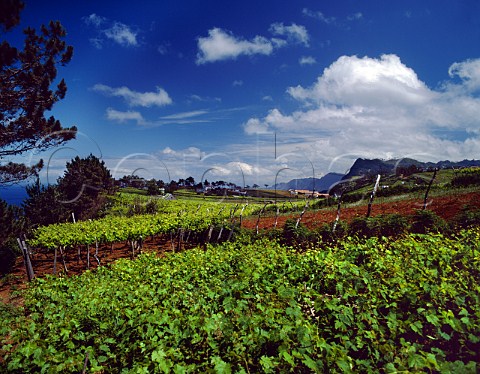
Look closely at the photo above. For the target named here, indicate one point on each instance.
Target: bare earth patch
(446, 207)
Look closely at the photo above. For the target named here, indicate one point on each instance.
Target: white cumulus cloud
(295, 33)
(122, 34)
(209, 166)
(222, 45)
(118, 32)
(134, 98)
(468, 72)
(122, 117)
(307, 60)
(94, 19)
(181, 155)
(318, 15)
(379, 107)
(256, 126)
(363, 81)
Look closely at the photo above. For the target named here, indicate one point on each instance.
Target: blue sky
(169, 89)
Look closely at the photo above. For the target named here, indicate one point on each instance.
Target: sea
(13, 195)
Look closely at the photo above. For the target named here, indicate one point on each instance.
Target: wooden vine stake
(188, 236)
(221, 231)
(88, 256)
(96, 252)
(372, 196)
(209, 235)
(232, 229)
(230, 234)
(85, 363)
(428, 189)
(27, 252)
(26, 260)
(233, 221)
(55, 261)
(277, 213)
(171, 241)
(338, 212)
(233, 210)
(63, 260)
(259, 215)
(180, 233)
(241, 214)
(301, 214)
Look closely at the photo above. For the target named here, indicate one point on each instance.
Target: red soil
(446, 207)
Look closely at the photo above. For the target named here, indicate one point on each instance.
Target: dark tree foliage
(26, 77)
(85, 185)
(82, 191)
(172, 186)
(189, 182)
(152, 187)
(43, 205)
(10, 227)
(10, 13)
(408, 170)
(10, 223)
(133, 181)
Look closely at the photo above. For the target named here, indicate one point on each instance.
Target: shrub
(136, 208)
(374, 306)
(361, 227)
(425, 221)
(293, 234)
(466, 177)
(326, 234)
(353, 197)
(390, 225)
(11, 225)
(151, 207)
(274, 234)
(469, 216)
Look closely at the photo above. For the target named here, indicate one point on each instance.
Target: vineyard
(193, 218)
(188, 223)
(253, 286)
(358, 306)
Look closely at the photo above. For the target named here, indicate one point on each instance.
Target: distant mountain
(376, 166)
(319, 184)
(363, 166)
